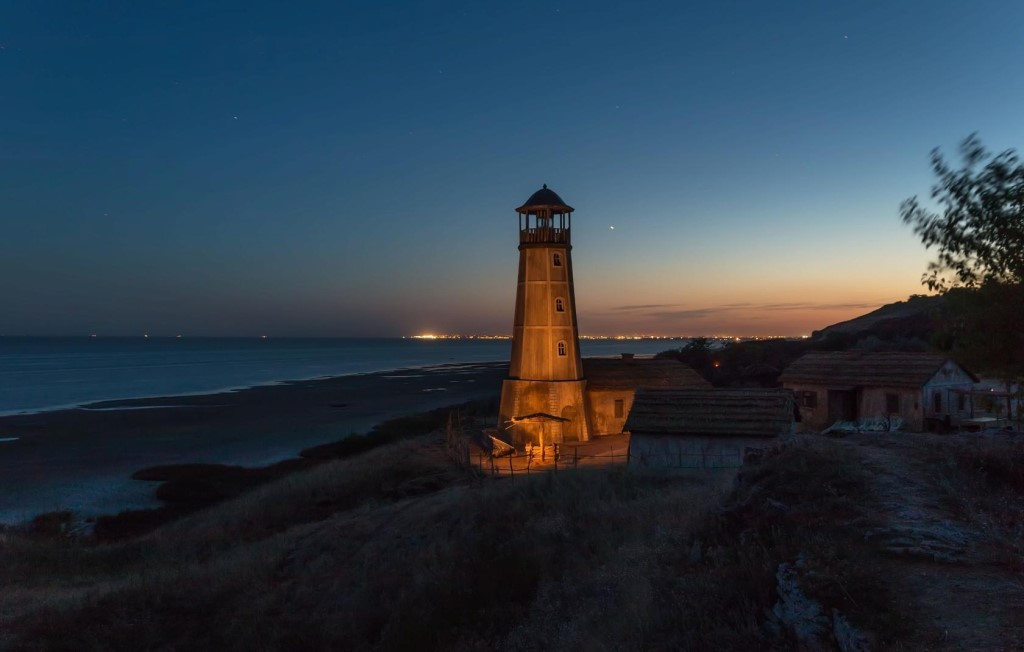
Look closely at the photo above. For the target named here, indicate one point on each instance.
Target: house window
(556, 260)
(961, 402)
(561, 348)
(619, 408)
(892, 404)
(807, 399)
(937, 402)
(559, 305)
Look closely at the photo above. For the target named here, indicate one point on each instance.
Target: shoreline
(82, 459)
(230, 389)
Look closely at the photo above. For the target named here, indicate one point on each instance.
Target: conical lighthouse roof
(545, 199)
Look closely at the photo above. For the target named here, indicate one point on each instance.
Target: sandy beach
(82, 459)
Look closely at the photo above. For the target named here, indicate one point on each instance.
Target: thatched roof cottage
(705, 428)
(921, 390)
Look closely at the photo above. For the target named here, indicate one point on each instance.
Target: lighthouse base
(543, 412)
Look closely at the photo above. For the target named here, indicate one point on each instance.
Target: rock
(799, 615)
(848, 637)
(941, 542)
(775, 504)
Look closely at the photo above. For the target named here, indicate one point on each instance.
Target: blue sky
(352, 168)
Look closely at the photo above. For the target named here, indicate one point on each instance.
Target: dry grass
(983, 481)
(394, 549)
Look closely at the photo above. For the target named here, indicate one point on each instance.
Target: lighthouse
(542, 400)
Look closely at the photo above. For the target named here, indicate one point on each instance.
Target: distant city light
(723, 339)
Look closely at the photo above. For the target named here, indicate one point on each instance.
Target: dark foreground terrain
(873, 542)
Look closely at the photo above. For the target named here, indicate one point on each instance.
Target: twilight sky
(351, 168)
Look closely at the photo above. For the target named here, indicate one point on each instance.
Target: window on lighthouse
(556, 260)
(559, 305)
(561, 348)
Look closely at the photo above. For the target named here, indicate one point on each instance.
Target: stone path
(944, 567)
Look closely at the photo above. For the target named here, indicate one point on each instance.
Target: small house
(920, 390)
(705, 428)
(612, 383)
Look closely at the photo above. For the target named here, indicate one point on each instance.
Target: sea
(46, 373)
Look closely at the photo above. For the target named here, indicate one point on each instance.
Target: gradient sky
(352, 168)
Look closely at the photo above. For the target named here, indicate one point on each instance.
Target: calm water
(44, 373)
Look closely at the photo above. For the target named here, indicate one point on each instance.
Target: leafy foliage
(988, 326)
(980, 231)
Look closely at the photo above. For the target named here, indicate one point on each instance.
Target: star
(612, 228)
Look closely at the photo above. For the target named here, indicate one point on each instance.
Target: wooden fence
(567, 458)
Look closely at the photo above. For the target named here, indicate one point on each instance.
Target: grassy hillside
(920, 323)
(909, 312)
(397, 548)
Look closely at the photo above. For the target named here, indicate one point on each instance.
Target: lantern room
(544, 218)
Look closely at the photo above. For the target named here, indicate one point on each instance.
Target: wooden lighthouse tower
(542, 398)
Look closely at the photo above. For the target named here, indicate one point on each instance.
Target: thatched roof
(611, 373)
(539, 417)
(717, 412)
(841, 369)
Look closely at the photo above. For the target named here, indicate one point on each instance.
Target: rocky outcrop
(802, 618)
(798, 615)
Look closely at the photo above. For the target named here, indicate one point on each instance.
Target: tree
(980, 231)
(980, 264)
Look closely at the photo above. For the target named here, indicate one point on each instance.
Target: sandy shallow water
(82, 459)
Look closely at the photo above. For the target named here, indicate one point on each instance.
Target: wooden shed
(612, 383)
(705, 428)
(921, 390)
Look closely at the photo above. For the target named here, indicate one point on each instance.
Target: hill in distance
(915, 317)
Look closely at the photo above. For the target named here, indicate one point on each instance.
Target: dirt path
(943, 566)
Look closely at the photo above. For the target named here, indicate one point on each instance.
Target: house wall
(916, 406)
(873, 404)
(949, 377)
(681, 452)
(811, 419)
(601, 410)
